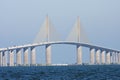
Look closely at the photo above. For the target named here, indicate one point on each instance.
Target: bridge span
(98, 55)
(60, 42)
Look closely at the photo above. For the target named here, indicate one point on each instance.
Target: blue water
(85, 72)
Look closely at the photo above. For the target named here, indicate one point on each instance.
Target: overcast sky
(20, 21)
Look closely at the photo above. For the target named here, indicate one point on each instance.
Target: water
(85, 72)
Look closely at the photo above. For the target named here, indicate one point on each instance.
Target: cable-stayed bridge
(48, 36)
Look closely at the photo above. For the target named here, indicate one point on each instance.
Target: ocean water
(84, 72)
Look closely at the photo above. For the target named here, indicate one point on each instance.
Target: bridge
(12, 56)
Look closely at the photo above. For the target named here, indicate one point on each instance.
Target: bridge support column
(103, 57)
(48, 54)
(18, 57)
(25, 61)
(11, 58)
(4, 59)
(119, 58)
(98, 57)
(1, 58)
(113, 57)
(79, 55)
(116, 56)
(33, 56)
(108, 58)
(92, 56)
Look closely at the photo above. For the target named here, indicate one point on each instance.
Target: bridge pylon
(48, 47)
(47, 33)
(79, 48)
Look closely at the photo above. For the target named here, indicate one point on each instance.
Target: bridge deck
(59, 42)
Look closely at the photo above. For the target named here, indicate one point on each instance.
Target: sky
(20, 21)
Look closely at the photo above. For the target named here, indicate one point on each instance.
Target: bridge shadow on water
(71, 72)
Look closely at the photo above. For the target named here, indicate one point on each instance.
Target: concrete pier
(11, 58)
(98, 57)
(79, 54)
(113, 57)
(103, 60)
(119, 58)
(108, 58)
(4, 59)
(92, 56)
(48, 54)
(18, 57)
(116, 57)
(1, 53)
(25, 59)
(33, 56)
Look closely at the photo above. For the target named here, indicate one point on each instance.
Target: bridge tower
(47, 33)
(48, 47)
(79, 48)
(78, 35)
